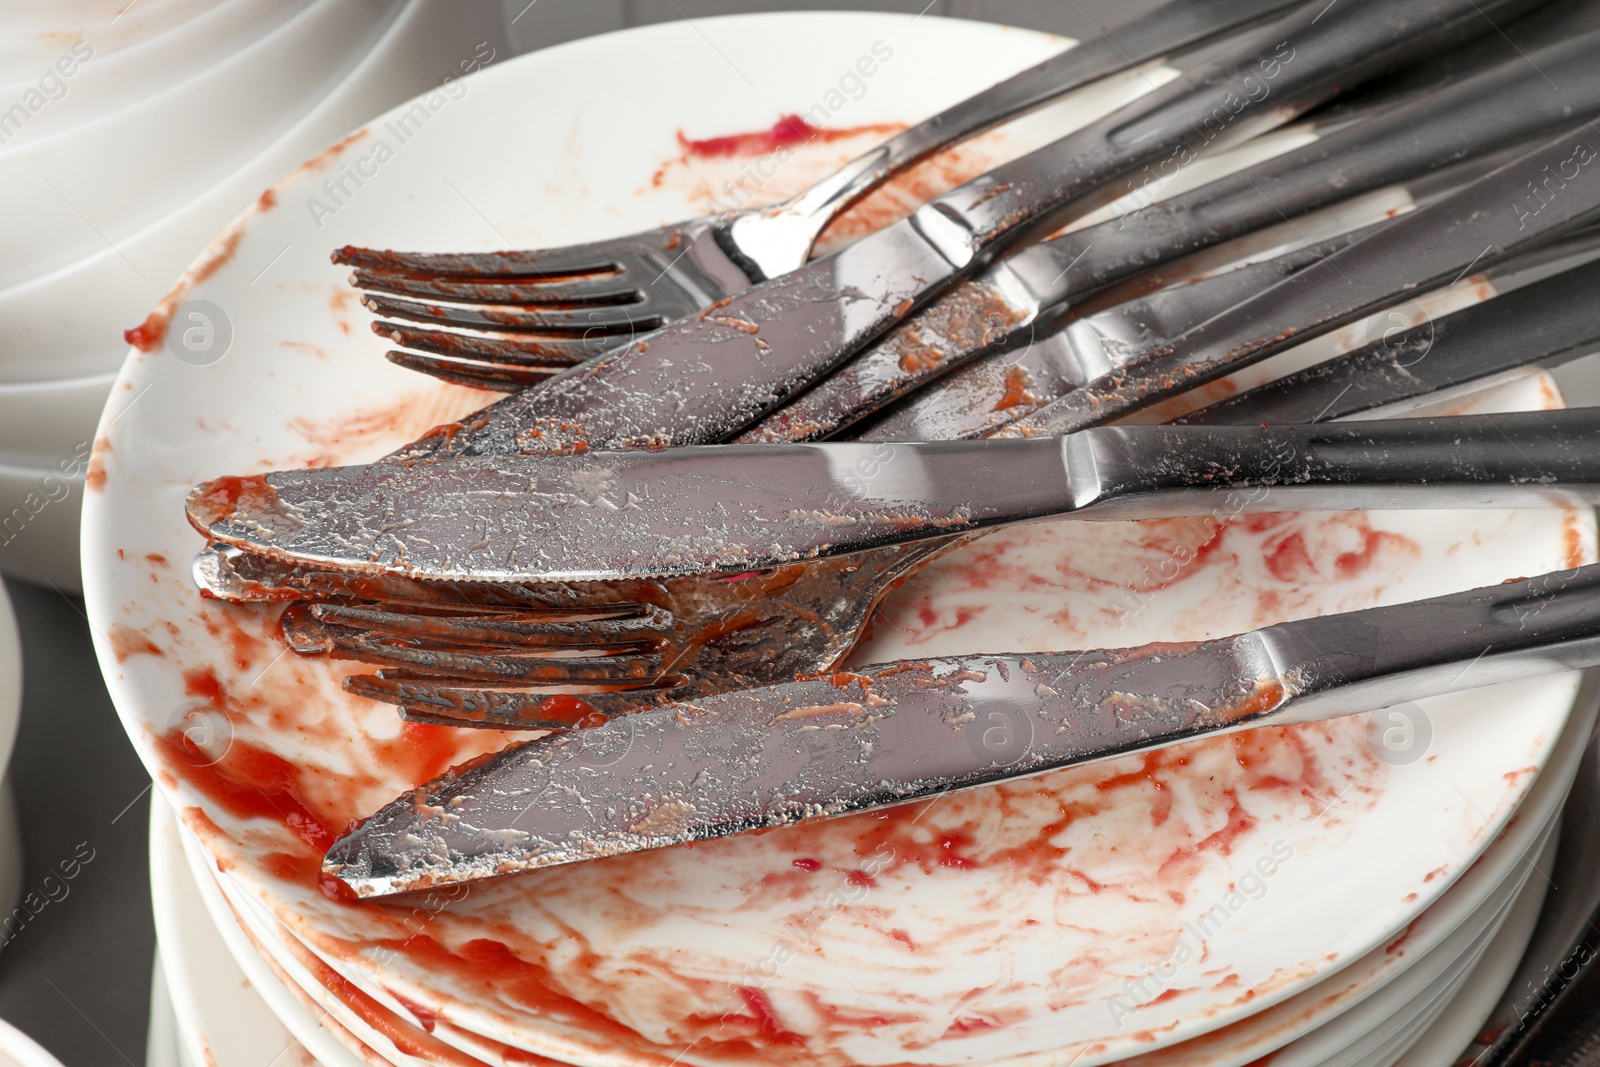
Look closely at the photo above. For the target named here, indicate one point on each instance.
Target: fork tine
(229, 574)
(552, 352)
(611, 633)
(615, 256)
(598, 291)
(617, 318)
(495, 377)
(526, 265)
(471, 666)
(430, 701)
(482, 669)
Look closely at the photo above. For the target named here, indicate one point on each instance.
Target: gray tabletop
(76, 977)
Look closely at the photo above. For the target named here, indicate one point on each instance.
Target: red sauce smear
(788, 131)
(127, 642)
(95, 480)
(408, 1039)
(149, 334)
(765, 1020)
(226, 496)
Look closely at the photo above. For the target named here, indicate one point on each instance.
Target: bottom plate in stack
(236, 982)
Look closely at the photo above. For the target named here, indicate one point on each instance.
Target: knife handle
(1475, 461)
(1341, 664)
(1548, 190)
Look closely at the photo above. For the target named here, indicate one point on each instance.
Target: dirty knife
(603, 516)
(905, 731)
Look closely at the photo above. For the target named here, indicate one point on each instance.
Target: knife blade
(893, 733)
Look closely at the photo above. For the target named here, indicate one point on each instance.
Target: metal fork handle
(1261, 80)
(1550, 189)
(1545, 323)
(1341, 664)
(1507, 105)
(1168, 28)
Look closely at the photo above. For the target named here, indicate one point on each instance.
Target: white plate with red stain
(1333, 1023)
(1018, 924)
(225, 1007)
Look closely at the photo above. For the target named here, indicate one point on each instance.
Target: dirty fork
(533, 313)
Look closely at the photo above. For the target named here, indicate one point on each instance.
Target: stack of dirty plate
(1323, 895)
(130, 132)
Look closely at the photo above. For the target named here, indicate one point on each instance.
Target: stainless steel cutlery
(897, 732)
(715, 373)
(1433, 144)
(533, 312)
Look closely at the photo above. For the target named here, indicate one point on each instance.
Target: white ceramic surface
(1365, 995)
(17, 1049)
(69, 324)
(43, 423)
(12, 858)
(231, 1010)
(33, 31)
(648, 945)
(1455, 1000)
(93, 75)
(161, 1036)
(1441, 1043)
(1415, 979)
(139, 163)
(39, 519)
(50, 326)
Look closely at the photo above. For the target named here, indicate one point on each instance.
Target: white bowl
(72, 193)
(90, 77)
(45, 423)
(69, 323)
(17, 1049)
(11, 854)
(35, 31)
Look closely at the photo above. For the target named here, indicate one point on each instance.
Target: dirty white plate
(1018, 924)
(225, 1017)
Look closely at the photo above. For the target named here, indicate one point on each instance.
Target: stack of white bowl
(131, 131)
